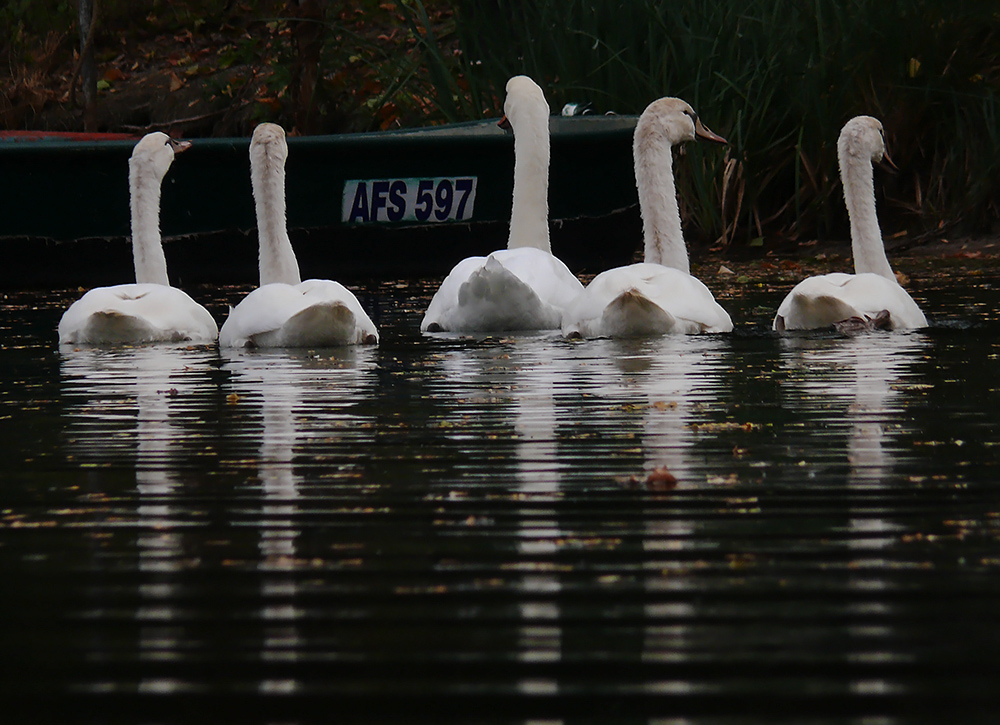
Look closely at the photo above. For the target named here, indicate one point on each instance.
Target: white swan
(871, 297)
(522, 287)
(149, 310)
(658, 295)
(284, 311)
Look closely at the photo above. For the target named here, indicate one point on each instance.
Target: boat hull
(399, 203)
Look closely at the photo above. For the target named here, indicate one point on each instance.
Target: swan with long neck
(147, 167)
(523, 287)
(658, 295)
(871, 297)
(268, 154)
(663, 125)
(150, 310)
(284, 311)
(526, 113)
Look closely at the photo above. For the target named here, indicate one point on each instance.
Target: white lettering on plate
(426, 201)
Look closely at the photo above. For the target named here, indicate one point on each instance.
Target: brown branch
(175, 122)
(88, 46)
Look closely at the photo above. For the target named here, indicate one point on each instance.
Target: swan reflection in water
(654, 387)
(661, 388)
(858, 382)
(145, 404)
(513, 390)
(565, 401)
(304, 399)
(855, 383)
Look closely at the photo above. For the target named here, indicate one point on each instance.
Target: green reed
(778, 78)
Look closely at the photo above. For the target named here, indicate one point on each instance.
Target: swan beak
(887, 163)
(178, 145)
(504, 123)
(702, 131)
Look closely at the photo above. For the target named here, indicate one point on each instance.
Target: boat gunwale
(461, 134)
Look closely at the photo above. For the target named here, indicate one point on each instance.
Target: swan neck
(277, 258)
(857, 176)
(661, 219)
(529, 216)
(147, 248)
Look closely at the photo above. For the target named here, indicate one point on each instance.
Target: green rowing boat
(386, 203)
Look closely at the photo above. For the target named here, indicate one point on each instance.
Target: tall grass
(778, 78)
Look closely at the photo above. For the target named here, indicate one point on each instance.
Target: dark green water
(446, 529)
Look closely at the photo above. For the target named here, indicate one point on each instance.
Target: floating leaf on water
(661, 479)
(716, 427)
(731, 480)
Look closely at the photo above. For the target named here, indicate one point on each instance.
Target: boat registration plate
(425, 201)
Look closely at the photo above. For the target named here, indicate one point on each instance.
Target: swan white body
(873, 291)
(523, 287)
(644, 299)
(659, 295)
(284, 311)
(150, 310)
(828, 299)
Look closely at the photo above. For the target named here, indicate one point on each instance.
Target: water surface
(459, 529)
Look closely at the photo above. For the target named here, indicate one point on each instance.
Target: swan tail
(811, 312)
(491, 283)
(494, 298)
(632, 314)
(328, 324)
(111, 327)
(881, 321)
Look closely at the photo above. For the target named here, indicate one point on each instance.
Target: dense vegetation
(778, 78)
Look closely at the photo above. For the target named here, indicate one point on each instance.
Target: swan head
(268, 145)
(674, 121)
(525, 105)
(154, 153)
(862, 138)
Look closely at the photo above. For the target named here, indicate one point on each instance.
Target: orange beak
(504, 123)
(888, 163)
(702, 131)
(179, 145)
